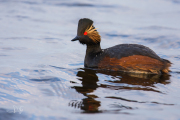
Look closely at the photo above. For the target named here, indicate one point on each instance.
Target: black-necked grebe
(124, 57)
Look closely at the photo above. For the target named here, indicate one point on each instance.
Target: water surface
(42, 74)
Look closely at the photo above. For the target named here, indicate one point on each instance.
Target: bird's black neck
(92, 52)
(93, 49)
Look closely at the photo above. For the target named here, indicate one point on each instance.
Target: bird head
(87, 33)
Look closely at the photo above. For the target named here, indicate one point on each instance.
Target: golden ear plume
(93, 34)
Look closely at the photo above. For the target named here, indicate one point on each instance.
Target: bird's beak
(76, 38)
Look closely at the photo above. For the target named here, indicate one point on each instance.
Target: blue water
(42, 75)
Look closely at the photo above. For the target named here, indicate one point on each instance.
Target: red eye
(85, 33)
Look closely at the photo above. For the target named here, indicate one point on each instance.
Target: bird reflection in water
(89, 84)
(89, 80)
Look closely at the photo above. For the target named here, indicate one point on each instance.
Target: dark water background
(41, 70)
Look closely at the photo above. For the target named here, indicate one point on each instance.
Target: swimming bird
(134, 58)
